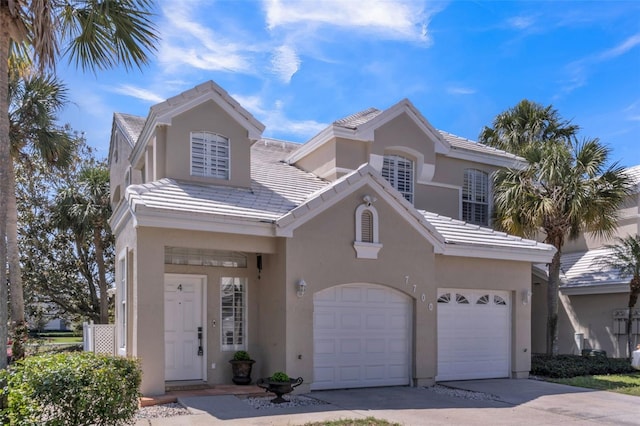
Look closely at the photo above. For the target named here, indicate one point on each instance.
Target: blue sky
(297, 66)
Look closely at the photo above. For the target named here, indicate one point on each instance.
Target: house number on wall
(179, 287)
(424, 297)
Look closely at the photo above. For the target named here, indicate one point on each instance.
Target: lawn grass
(628, 384)
(369, 421)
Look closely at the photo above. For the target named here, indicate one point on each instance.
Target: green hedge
(71, 389)
(566, 366)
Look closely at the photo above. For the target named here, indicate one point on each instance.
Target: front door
(183, 327)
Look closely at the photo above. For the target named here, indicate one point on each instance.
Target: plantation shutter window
(475, 197)
(209, 155)
(398, 171)
(367, 227)
(233, 304)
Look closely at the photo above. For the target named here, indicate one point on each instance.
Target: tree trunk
(18, 329)
(552, 303)
(102, 277)
(5, 159)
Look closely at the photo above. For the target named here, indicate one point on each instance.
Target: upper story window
(209, 155)
(475, 197)
(399, 172)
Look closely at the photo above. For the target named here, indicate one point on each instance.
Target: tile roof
(353, 121)
(634, 174)
(458, 142)
(132, 125)
(459, 232)
(276, 188)
(582, 269)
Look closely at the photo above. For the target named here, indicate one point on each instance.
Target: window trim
(394, 160)
(367, 250)
(122, 285)
(225, 347)
(474, 173)
(210, 140)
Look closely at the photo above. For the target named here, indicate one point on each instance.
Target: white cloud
(459, 90)
(187, 42)
(579, 70)
(275, 120)
(395, 19)
(521, 22)
(285, 63)
(138, 93)
(622, 48)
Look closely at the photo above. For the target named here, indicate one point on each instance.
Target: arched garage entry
(361, 337)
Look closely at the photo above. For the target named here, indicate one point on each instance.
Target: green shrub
(71, 389)
(566, 366)
(241, 356)
(279, 377)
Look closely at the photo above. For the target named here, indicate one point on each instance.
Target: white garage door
(361, 337)
(474, 334)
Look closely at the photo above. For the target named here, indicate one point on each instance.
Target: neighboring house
(360, 258)
(593, 299)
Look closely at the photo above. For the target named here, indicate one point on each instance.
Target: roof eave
(533, 255)
(610, 288)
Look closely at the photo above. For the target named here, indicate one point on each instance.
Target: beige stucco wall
(438, 199)
(593, 316)
(321, 252)
(467, 273)
(321, 162)
(212, 118)
(590, 314)
(403, 131)
(147, 323)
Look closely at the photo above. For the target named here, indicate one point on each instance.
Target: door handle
(200, 351)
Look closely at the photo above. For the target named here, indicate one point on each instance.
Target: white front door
(361, 337)
(184, 327)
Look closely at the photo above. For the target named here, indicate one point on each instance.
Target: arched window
(398, 171)
(367, 243)
(475, 197)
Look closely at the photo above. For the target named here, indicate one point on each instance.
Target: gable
(164, 113)
(211, 118)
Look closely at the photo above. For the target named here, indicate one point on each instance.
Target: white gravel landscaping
(162, 410)
(292, 401)
(460, 393)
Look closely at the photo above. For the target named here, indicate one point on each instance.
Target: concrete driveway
(503, 402)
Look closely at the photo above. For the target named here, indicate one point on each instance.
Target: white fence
(99, 338)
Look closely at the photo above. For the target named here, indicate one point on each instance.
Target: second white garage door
(361, 337)
(474, 334)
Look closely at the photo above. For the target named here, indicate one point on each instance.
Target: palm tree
(526, 124)
(85, 210)
(625, 258)
(35, 101)
(566, 189)
(95, 34)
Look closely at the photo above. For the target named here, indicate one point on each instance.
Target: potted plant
(241, 366)
(279, 383)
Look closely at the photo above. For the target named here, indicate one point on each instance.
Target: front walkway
(175, 392)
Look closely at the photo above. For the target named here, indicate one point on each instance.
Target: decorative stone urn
(241, 371)
(279, 387)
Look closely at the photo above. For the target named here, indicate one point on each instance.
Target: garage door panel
(350, 320)
(376, 321)
(372, 339)
(473, 338)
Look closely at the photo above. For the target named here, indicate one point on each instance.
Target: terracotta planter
(279, 388)
(241, 371)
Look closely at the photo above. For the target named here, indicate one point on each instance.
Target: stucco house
(593, 299)
(362, 257)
